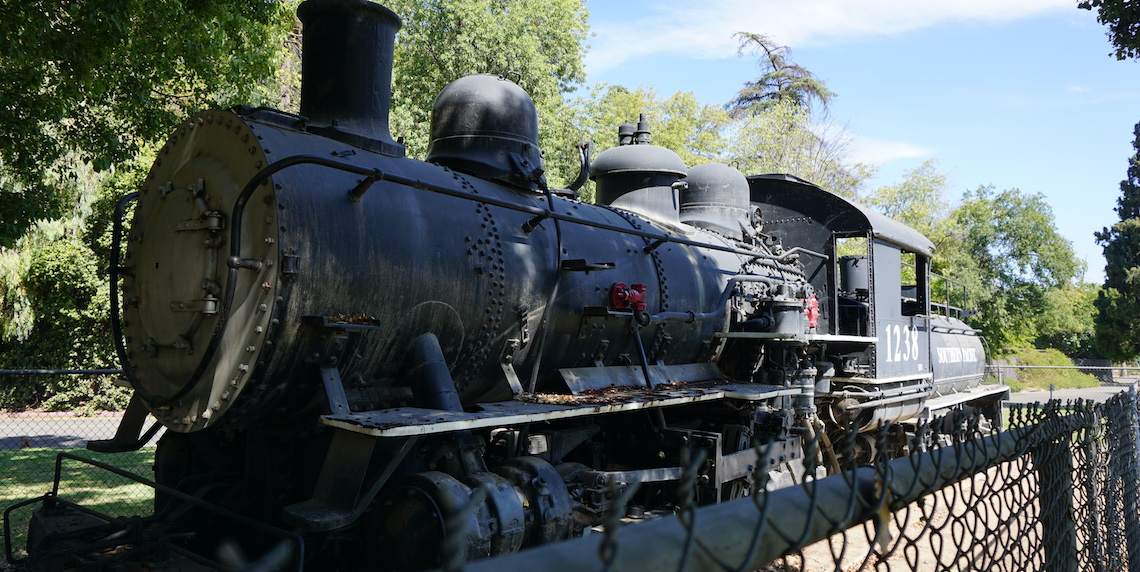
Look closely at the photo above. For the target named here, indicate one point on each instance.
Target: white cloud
(704, 29)
(880, 152)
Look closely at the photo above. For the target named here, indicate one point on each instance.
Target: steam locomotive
(349, 345)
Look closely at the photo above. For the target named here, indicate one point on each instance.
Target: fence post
(1118, 432)
(1094, 526)
(1128, 465)
(1054, 461)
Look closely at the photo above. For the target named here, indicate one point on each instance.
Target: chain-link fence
(1058, 490)
(30, 443)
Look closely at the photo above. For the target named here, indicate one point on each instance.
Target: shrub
(1042, 378)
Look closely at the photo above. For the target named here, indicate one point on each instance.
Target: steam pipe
(431, 380)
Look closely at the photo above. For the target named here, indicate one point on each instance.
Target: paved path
(1097, 394)
(54, 431)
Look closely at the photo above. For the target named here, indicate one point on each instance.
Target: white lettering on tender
(957, 355)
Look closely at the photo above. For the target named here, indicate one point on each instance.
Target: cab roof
(833, 211)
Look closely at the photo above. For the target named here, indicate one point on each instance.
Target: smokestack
(346, 66)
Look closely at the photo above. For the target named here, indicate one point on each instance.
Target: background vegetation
(92, 88)
(1043, 379)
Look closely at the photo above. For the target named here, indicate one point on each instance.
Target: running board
(409, 421)
(936, 404)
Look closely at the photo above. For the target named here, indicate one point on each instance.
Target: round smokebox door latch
(202, 219)
(180, 264)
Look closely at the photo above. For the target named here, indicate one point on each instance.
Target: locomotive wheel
(409, 523)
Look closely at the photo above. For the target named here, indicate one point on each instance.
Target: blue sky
(1010, 93)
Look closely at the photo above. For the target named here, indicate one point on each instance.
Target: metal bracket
(129, 436)
(290, 262)
(329, 339)
(334, 389)
(581, 265)
(207, 305)
(340, 497)
(209, 221)
(512, 378)
(650, 248)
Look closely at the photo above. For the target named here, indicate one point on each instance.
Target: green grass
(28, 473)
(1041, 379)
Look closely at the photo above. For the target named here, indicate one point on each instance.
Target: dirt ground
(987, 522)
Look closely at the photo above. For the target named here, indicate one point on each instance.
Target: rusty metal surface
(407, 421)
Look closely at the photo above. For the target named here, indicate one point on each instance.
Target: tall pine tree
(1118, 306)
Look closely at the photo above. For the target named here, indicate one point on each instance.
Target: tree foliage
(678, 122)
(781, 81)
(87, 87)
(1008, 240)
(782, 139)
(54, 306)
(103, 79)
(919, 201)
(537, 44)
(1123, 20)
(1067, 322)
(1005, 249)
(1118, 306)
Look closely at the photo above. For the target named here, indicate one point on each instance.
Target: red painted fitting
(639, 304)
(622, 296)
(812, 311)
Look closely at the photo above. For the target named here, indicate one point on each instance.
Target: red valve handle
(622, 296)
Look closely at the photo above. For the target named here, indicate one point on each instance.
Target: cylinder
(854, 273)
(638, 176)
(716, 199)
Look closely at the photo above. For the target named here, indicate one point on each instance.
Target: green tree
(1010, 244)
(103, 79)
(1123, 20)
(53, 305)
(678, 122)
(1118, 306)
(781, 81)
(919, 201)
(782, 139)
(1068, 322)
(538, 44)
(87, 87)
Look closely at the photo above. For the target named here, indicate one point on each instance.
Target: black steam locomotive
(349, 345)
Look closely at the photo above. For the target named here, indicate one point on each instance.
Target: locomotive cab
(899, 356)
